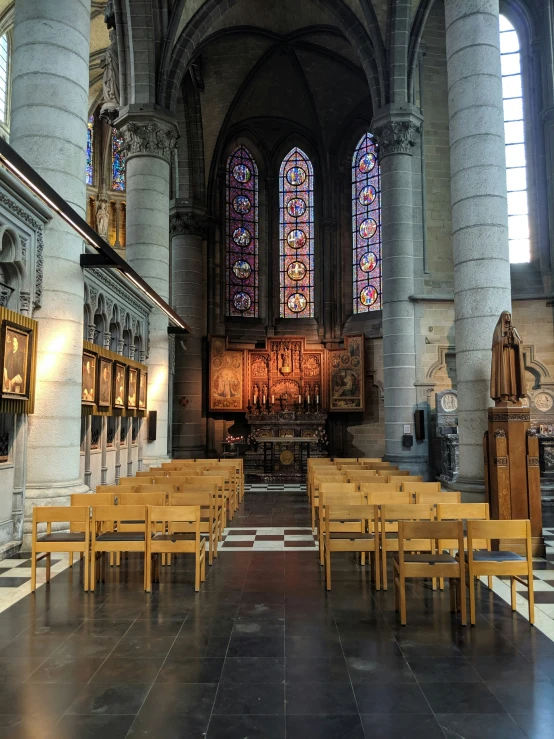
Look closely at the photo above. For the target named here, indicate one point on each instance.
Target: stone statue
(102, 217)
(110, 83)
(507, 369)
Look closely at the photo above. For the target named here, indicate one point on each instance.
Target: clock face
(449, 402)
(543, 402)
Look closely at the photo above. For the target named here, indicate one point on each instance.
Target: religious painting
(17, 358)
(88, 388)
(132, 388)
(105, 372)
(143, 384)
(226, 377)
(119, 385)
(346, 376)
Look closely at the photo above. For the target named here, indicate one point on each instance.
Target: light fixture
(15, 164)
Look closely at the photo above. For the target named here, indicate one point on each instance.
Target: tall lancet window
(118, 162)
(90, 144)
(514, 131)
(242, 234)
(296, 221)
(4, 77)
(366, 226)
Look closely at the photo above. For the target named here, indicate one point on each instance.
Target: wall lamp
(105, 256)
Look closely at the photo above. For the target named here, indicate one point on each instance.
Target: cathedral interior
(258, 241)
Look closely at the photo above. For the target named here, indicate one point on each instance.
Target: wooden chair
(393, 497)
(152, 472)
(73, 541)
(402, 479)
(106, 520)
(175, 542)
(500, 563)
(317, 480)
(410, 562)
(207, 485)
(391, 515)
(141, 479)
(229, 487)
(365, 540)
(334, 495)
(379, 487)
(421, 487)
(88, 500)
(385, 471)
(430, 498)
(344, 460)
(463, 512)
(210, 516)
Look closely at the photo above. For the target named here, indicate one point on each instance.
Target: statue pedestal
(512, 474)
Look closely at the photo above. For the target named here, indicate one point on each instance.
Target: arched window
(242, 235)
(516, 174)
(4, 77)
(366, 226)
(296, 222)
(90, 144)
(118, 162)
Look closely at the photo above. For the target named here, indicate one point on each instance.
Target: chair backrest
(115, 513)
(378, 487)
(344, 460)
(379, 497)
(358, 476)
(342, 498)
(59, 514)
(518, 529)
(199, 481)
(141, 499)
(463, 511)
(337, 487)
(147, 473)
(90, 499)
(189, 514)
(209, 489)
(403, 478)
(432, 530)
(155, 488)
(195, 497)
(142, 480)
(421, 487)
(407, 512)
(367, 460)
(349, 466)
(433, 498)
(342, 512)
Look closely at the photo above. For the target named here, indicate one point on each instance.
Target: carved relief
(312, 365)
(259, 365)
(396, 137)
(149, 138)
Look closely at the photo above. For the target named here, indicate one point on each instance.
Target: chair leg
(86, 569)
(384, 568)
(396, 598)
(376, 569)
(48, 566)
(463, 603)
(197, 572)
(513, 593)
(327, 568)
(71, 559)
(531, 596)
(362, 559)
(33, 567)
(472, 600)
(489, 578)
(402, 589)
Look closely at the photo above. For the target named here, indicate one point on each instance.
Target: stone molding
(396, 137)
(148, 138)
(188, 224)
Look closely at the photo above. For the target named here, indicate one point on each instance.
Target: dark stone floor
(264, 652)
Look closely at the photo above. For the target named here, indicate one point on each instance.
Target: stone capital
(396, 129)
(147, 132)
(187, 221)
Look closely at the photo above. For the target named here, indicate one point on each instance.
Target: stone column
(150, 138)
(188, 234)
(49, 110)
(479, 213)
(396, 129)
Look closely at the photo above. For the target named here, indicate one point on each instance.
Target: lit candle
(308, 400)
(272, 399)
(264, 399)
(317, 398)
(299, 399)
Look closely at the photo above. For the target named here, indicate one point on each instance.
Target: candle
(317, 398)
(308, 399)
(264, 400)
(272, 399)
(299, 399)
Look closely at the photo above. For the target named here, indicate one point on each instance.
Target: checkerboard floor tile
(269, 539)
(15, 576)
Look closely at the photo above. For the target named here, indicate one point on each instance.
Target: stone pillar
(396, 129)
(188, 234)
(479, 214)
(49, 110)
(150, 138)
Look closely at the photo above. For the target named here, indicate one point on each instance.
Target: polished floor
(264, 652)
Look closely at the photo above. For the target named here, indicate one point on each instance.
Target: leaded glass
(118, 162)
(242, 235)
(90, 138)
(366, 226)
(296, 221)
(4, 77)
(514, 134)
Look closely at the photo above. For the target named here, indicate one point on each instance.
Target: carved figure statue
(102, 217)
(110, 83)
(507, 369)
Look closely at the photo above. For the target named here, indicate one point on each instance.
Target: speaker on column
(419, 425)
(152, 425)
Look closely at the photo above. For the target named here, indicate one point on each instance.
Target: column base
(51, 494)
(471, 488)
(417, 465)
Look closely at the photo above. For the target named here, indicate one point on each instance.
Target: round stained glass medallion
(242, 204)
(242, 269)
(297, 302)
(368, 261)
(241, 173)
(297, 239)
(369, 295)
(242, 236)
(296, 207)
(296, 270)
(367, 228)
(367, 195)
(242, 301)
(366, 163)
(296, 176)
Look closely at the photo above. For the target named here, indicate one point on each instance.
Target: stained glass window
(366, 226)
(516, 173)
(4, 77)
(90, 137)
(242, 234)
(296, 222)
(118, 162)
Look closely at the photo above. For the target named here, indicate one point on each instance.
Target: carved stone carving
(107, 339)
(5, 292)
(24, 245)
(148, 138)
(396, 137)
(24, 302)
(120, 345)
(91, 330)
(188, 224)
(499, 434)
(103, 216)
(109, 306)
(132, 349)
(110, 82)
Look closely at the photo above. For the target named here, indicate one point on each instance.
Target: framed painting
(226, 377)
(346, 376)
(17, 353)
(88, 387)
(105, 374)
(143, 390)
(132, 388)
(119, 385)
